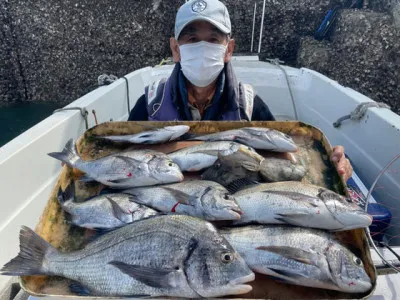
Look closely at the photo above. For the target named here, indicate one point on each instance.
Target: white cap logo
(199, 6)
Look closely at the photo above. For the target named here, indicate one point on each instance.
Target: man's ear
(229, 51)
(173, 43)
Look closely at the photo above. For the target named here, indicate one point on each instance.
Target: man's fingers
(337, 153)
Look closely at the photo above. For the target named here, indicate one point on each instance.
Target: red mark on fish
(318, 212)
(129, 175)
(174, 207)
(351, 283)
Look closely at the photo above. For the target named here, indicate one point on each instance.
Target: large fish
(198, 198)
(299, 204)
(155, 136)
(232, 173)
(276, 169)
(103, 211)
(198, 157)
(176, 256)
(125, 169)
(300, 256)
(256, 137)
(237, 173)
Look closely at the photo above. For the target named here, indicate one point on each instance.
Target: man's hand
(343, 165)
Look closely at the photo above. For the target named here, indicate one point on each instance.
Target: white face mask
(202, 62)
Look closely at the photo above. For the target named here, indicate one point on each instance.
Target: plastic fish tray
(314, 150)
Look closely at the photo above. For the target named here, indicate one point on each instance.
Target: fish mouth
(235, 213)
(243, 279)
(356, 286)
(355, 220)
(237, 287)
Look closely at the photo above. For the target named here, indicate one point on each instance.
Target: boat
(371, 141)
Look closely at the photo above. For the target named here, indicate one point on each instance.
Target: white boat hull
(29, 174)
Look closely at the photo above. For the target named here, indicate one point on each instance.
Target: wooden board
(314, 151)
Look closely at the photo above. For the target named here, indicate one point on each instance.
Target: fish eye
(226, 257)
(226, 196)
(357, 261)
(170, 164)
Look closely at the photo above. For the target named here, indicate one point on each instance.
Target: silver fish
(155, 136)
(176, 256)
(299, 204)
(125, 169)
(300, 256)
(103, 211)
(198, 157)
(256, 137)
(198, 198)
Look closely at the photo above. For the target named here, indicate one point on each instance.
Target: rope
(95, 117)
(83, 111)
(128, 102)
(105, 79)
(366, 207)
(359, 112)
(277, 62)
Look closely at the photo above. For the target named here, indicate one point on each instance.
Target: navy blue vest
(164, 102)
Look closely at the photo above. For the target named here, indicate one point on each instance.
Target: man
(202, 85)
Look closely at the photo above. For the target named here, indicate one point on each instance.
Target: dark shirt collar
(212, 111)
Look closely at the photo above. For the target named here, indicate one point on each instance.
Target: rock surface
(55, 50)
(364, 54)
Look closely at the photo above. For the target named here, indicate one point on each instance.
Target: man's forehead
(200, 26)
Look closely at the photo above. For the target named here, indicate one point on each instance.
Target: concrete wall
(55, 50)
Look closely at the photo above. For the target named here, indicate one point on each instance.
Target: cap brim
(220, 26)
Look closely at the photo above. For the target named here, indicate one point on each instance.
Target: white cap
(212, 11)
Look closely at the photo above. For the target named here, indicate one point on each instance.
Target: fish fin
(119, 180)
(290, 253)
(188, 136)
(239, 184)
(67, 195)
(68, 154)
(30, 258)
(295, 196)
(118, 212)
(279, 279)
(288, 273)
(78, 288)
(153, 277)
(291, 218)
(251, 166)
(86, 178)
(253, 131)
(180, 196)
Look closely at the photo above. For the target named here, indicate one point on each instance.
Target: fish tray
(314, 151)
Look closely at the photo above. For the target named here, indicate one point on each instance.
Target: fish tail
(68, 155)
(31, 255)
(66, 198)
